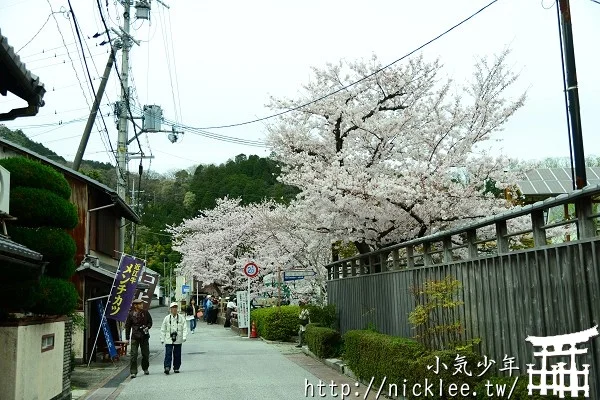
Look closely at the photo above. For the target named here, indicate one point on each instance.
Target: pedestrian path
(219, 364)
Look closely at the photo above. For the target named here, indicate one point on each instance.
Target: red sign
(251, 270)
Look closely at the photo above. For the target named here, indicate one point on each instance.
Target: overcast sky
(227, 58)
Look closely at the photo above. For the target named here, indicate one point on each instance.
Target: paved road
(218, 364)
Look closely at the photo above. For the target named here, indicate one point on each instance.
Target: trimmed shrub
(39, 207)
(505, 383)
(55, 297)
(54, 243)
(61, 269)
(277, 323)
(371, 354)
(323, 315)
(323, 342)
(31, 173)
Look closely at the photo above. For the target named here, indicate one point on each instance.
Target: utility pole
(570, 75)
(124, 109)
(92, 117)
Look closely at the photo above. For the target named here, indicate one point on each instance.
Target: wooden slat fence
(544, 290)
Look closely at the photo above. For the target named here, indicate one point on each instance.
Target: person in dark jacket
(137, 328)
(190, 314)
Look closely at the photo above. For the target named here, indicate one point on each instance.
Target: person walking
(137, 328)
(231, 307)
(173, 333)
(206, 302)
(190, 312)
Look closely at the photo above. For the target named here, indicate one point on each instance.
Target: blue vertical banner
(123, 290)
(110, 344)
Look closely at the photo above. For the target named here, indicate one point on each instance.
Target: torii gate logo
(560, 370)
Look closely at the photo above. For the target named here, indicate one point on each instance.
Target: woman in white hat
(173, 333)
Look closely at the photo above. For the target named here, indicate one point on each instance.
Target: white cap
(173, 304)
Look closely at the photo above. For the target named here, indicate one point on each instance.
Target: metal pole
(279, 286)
(248, 305)
(92, 117)
(572, 93)
(123, 116)
(133, 203)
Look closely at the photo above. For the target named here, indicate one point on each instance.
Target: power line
(112, 150)
(72, 63)
(37, 33)
(363, 78)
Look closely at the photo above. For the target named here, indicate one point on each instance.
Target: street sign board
(185, 289)
(296, 275)
(243, 313)
(251, 270)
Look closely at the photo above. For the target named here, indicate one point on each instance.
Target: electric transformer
(152, 118)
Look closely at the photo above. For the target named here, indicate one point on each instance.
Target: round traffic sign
(251, 270)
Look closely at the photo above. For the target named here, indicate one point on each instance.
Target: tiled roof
(554, 181)
(9, 247)
(15, 78)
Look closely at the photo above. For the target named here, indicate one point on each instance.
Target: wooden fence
(543, 289)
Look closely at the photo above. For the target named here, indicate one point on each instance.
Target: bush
(54, 243)
(323, 315)
(276, 323)
(30, 173)
(322, 341)
(371, 354)
(504, 382)
(61, 269)
(443, 365)
(39, 207)
(55, 296)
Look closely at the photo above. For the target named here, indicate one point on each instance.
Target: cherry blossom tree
(400, 154)
(219, 242)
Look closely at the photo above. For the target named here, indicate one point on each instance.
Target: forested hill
(21, 139)
(170, 199)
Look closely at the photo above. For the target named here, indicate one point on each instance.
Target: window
(47, 342)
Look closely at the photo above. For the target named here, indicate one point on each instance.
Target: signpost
(185, 289)
(297, 275)
(250, 270)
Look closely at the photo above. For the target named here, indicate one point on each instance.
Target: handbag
(200, 314)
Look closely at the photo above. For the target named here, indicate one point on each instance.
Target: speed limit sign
(251, 270)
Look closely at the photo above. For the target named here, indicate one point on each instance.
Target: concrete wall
(77, 341)
(27, 371)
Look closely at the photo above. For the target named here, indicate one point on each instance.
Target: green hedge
(55, 296)
(322, 341)
(277, 323)
(29, 173)
(520, 392)
(54, 243)
(442, 365)
(323, 315)
(39, 207)
(371, 354)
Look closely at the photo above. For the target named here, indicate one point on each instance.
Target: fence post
(353, 267)
(410, 259)
(583, 209)
(539, 234)
(501, 239)
(471, 245)
(448, 249)
(427, 260)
